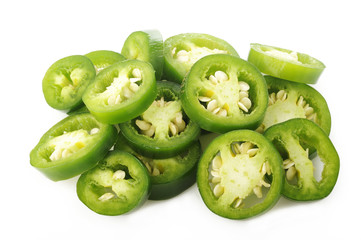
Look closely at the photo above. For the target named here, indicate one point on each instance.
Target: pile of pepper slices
(136, 119)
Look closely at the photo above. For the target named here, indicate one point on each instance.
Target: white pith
(236, 174)
(69, 143)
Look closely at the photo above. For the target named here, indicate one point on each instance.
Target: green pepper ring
(192, 86)
(89, 191)
(66, 81)
(304, 69)
(286, 133)
(80, 161)
(273, 158)
(129, 108)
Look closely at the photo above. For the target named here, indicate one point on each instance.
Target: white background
(34, 34)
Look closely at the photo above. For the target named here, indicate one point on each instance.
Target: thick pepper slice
(233, 174)
(163, 130)
(223, 93)
(285, 64)
(183, 50)
(289, 100)
(104, 58)
(72, 146)
(289, 138)
(170, 176)
(146, 46)
(121, 92)
(66, 81)
(118, 184)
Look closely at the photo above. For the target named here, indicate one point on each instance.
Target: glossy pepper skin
(117, 185)
(196, 45)
(289, 138)
(170, 176)
(88, 148)
(298, 101)
(162, 144)
(104, 58)
(146, 46)
(114, 82)
(198, 84)
(240, 172)
(66, 81)
(285, 64)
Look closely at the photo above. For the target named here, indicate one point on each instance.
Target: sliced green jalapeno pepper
(163, 130)
(121, 92)
(294, 100)
(171, 176)
(233, 174)
(118, 184)
(223, 93)
(72, 146)
(66, 81)
(104, 58)
(183, 50)
(289, 138)
(285, 64)
(146, 46)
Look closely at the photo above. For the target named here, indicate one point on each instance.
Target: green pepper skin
(178, 173)
(175, 70)
(129, 108)
(223, 144)
(104, 58)
(294, 90)
(80, 161)
(197, 82)
(131, 192)
(66, 81)
(165, 146)
(288, 137)
(146, 46)
(305, 70)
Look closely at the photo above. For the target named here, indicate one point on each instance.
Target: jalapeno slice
(183, 50)
(301, 184)
(118, 184)
(121, 92)
(233, 174)
(146, 46)
(72, 146)
(289, 100)
(170, 176)
(163, 130)
(104, 58)
(223, 93)
(66, 81)
(285, 64)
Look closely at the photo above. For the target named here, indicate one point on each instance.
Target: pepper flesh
(199, 83)
(240, 173)
(289, 138)
(70, 147)
(285, 64)
(118, 184)
(196, 46)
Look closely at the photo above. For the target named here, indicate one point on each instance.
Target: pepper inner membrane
(187, 54)
(223, 93)
(163, 119)
(237, 175)
(122, 87)
(69, 143)
(113, 182)
(69, 82)
(284, 105)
